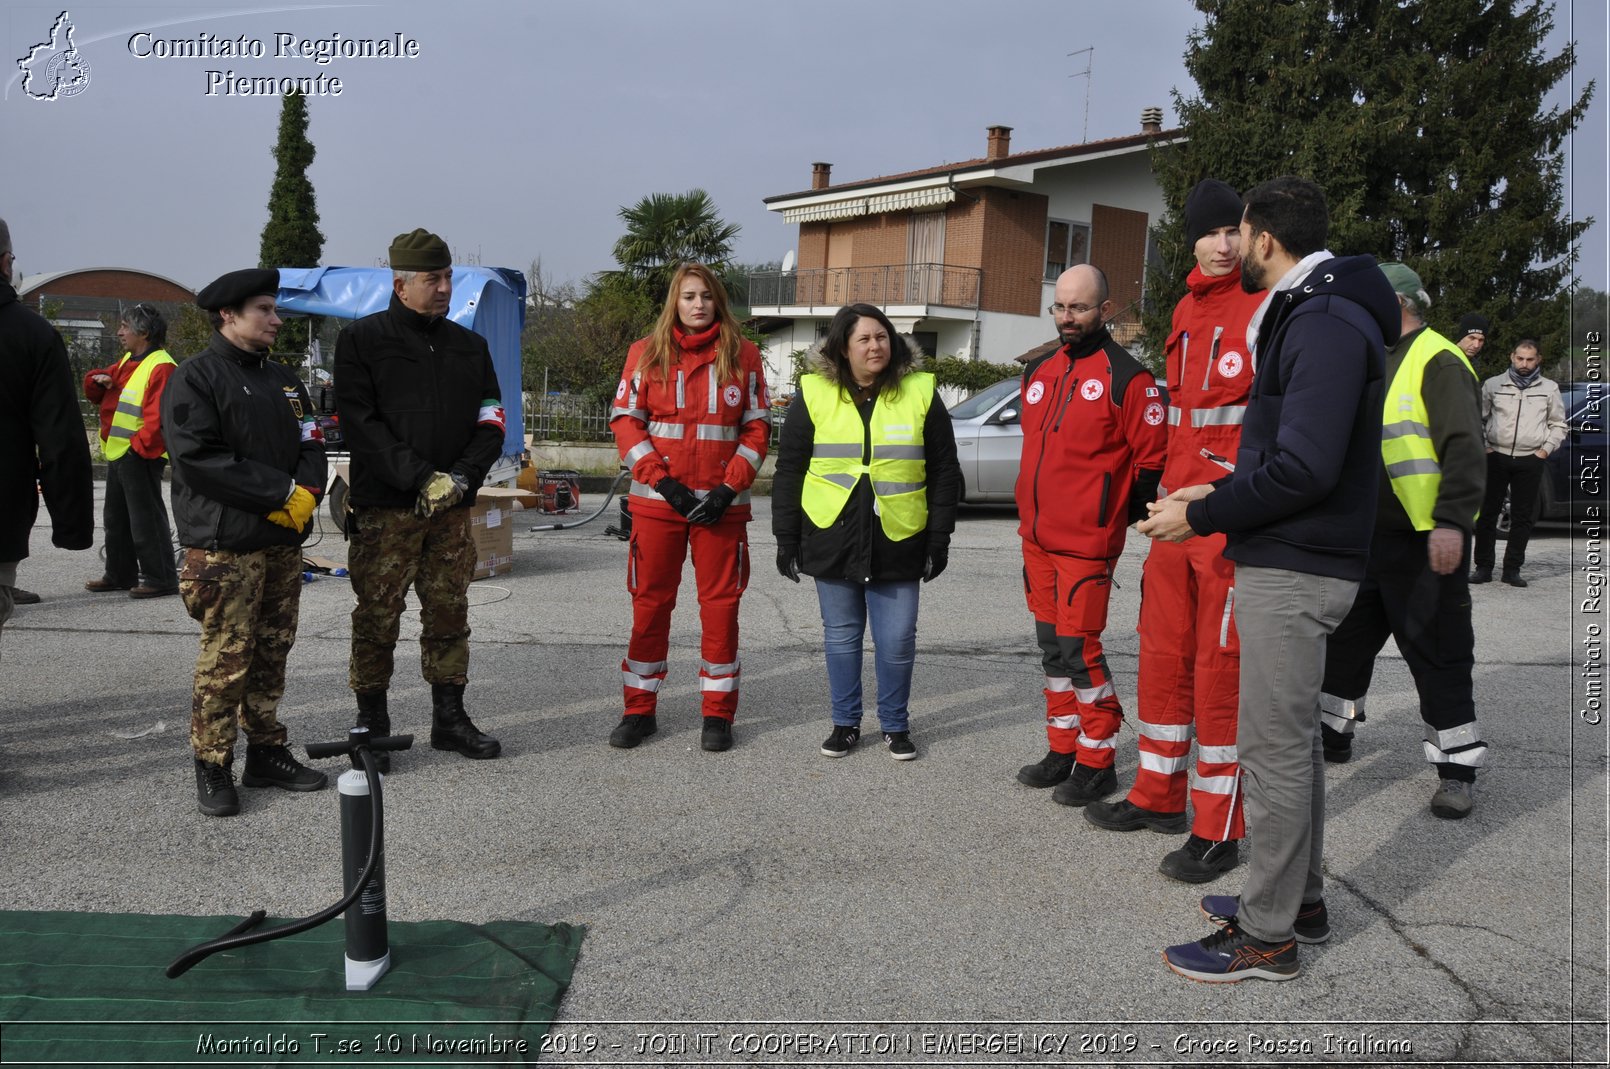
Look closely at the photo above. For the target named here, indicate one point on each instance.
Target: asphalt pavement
(771, 906)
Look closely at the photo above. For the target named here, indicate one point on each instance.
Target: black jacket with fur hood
(855, 547)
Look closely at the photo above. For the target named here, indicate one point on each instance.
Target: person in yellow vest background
(864, 499)
(139, 542)
(1416, 587)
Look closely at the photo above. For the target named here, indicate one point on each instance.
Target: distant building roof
(34, 283)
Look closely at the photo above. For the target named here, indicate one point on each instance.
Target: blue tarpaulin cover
(487, 300)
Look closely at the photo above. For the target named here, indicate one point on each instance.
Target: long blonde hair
(663, 349)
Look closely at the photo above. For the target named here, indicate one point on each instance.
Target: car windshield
(986, 399)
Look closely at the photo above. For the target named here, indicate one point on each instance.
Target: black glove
(938, 556)
(714, 505)
(678, 496)
(788, 561)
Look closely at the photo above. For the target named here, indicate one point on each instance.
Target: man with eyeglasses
(1093, 440)
(43, 451)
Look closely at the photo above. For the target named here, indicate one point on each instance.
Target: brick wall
(130, 286)
(1013, 257)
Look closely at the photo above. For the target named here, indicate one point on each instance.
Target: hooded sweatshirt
(1303, 494)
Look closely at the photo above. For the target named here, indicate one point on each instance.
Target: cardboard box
(492, 529)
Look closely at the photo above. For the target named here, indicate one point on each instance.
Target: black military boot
(372, 715)
(450, 727)
(215, 789)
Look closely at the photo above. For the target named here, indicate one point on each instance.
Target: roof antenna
(1090, 62)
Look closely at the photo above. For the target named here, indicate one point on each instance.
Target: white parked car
(989, 442)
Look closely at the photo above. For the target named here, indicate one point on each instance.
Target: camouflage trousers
(391, 549)
(246, 604)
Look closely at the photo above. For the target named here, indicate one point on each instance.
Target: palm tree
(667, 229)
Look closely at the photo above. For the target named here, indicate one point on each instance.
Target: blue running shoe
(1230, 955)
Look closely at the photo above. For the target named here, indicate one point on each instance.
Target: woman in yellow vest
(139, 542)
(864, 499)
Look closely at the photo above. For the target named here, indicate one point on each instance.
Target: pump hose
(613, 487)
(241, 935)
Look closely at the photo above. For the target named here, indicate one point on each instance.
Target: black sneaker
(1048, 771)
(900, 747)
(632, 730)
(1201, 860)
(842, 741)
(1481, 575)
(1312, 926)
(215, 789)
(1513, 579)
(273, 766)
(1337, 745)
(1125, 815)
(1230, 955)
(717, 734)
(1086, 785)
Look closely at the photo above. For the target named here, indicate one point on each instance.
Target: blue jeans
(893, 609)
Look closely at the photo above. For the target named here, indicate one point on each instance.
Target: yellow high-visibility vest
(1411, 460)
(127, 419)
(898, 467)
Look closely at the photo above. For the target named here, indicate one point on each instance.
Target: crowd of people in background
(1312, 471)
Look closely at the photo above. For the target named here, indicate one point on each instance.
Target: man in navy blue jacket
(1297, 515)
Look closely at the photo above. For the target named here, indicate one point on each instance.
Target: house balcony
(906, 290)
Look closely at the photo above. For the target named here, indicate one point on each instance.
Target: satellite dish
(788, 260)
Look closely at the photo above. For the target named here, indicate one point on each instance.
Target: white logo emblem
(54, 69)
(1036, 391)
(620, 391)
(1230, 365)
(1091, 389)
(1153, 413)
(732, 395)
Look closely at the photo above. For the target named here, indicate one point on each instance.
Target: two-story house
(964, 256)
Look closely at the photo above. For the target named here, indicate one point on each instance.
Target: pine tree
(291, 237)
(1424, 122)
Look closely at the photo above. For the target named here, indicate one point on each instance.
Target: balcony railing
(890, 284)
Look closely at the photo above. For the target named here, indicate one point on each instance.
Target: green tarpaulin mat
(89, 989)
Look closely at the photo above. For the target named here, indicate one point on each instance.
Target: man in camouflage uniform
(423, 416)
(248, 469)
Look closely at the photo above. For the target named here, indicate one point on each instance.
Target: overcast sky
(519, 128)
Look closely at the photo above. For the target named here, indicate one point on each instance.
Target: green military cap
(1405, 282)
(419, 250)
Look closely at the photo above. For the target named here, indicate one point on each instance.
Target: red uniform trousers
(1190, 663)
(1068, 597)
(653, 572)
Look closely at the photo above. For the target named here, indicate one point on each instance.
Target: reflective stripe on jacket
(128, 417)
(1411, 459)
(898, 463)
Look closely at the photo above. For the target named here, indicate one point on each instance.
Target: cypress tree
(1425, 124)
(291, 237)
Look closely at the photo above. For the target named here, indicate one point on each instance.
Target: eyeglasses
(1076, 309)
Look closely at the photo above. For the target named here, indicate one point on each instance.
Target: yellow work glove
(297, 511)
(442, 491)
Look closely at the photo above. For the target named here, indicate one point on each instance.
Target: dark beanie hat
(419, 250)
(238, 287)
(1474, 323)
(1210, 205)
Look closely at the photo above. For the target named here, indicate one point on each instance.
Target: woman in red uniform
(691, 419)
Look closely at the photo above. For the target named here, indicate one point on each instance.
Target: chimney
(1151, 120)
(821, 175)
(1000, 142)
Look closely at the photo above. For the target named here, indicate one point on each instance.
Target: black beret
(1210, 205)
(238, 287)
(1474, 323)
(419, 250)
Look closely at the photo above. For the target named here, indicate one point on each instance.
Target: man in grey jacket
(1523, 421)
